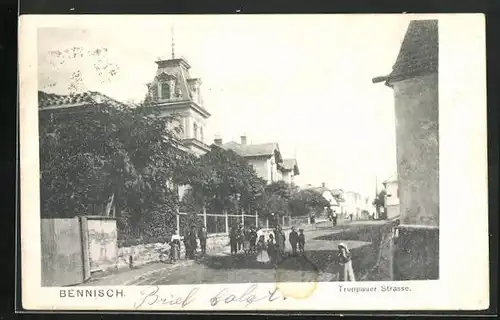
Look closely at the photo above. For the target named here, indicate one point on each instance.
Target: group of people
(273, 250)
(190, 240)
(242, 239)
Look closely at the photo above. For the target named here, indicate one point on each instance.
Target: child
(262, 255)
(253, 240)
(175, 247)
(302, 240)
(344, 259)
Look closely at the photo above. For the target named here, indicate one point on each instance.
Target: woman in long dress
(262, 255)
(344, 260)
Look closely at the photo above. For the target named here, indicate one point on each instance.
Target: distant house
(354, 203)
(392, 208)
(328, 195)
(290, 169)
(266, 159)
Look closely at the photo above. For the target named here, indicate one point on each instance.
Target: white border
(464, 262)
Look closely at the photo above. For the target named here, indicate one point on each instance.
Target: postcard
(253, 162)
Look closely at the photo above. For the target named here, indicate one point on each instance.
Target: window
(201, 134)
(165, 91)
(195, 130)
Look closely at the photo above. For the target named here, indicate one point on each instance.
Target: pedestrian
(262, 255)
(192, 242)
(175, 247)
(233, 240)
(278, 237)
(187, 243)
(253, 240)
(301, 240)
(202, 235)
(293, 238)
(241, 237)
(246, 241)
(334, 218)
(272, 250)
(344, 260)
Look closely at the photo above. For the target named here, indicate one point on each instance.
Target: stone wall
(416, 106)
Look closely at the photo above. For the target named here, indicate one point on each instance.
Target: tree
(379, 201)
(124, 154)
(307, 201)
(225, 181)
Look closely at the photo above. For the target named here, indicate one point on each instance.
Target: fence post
(205, 217)
(256, 220)
(242, 217)
(283, 221)
(267, 223)
(226, 220)
(178, 221)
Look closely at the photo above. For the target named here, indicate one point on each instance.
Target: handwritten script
(246, 297)
(151, 296)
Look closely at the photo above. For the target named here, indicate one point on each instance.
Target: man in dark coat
(293, 237)
(187, 243)
(202, 235)
(192, 241)
(233, 239)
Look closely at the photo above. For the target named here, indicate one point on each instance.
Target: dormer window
(165, 91)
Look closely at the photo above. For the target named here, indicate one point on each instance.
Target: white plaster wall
(416, 109)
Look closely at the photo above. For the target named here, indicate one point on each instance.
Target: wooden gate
(62, 252)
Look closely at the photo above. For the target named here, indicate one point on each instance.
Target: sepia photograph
(292, 151)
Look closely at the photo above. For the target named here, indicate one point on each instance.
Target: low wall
(148, 253)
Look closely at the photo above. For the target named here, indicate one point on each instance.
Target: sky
(302, 81)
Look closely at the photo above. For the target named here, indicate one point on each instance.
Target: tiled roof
(291, 164)
(56, 101)
(418, 53)
(253, 150)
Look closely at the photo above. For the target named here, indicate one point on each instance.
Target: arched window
(165, 91)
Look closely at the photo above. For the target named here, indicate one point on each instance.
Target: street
(317, 264)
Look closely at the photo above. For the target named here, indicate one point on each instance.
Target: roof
(392, 178)
(177, 69)
(254, 150)
(50, 101)
(291, 165)
(418, 54)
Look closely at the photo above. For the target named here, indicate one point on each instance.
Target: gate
(62, 252)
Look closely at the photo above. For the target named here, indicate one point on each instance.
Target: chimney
(218, 140)
(243, 140)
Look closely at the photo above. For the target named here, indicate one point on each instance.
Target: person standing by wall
(202, 235)
(302, 241)
(175, 246)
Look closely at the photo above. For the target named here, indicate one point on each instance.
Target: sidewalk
(126, 276)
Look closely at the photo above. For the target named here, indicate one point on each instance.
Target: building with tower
(175, 93)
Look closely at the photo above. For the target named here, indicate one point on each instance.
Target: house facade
(391, 199)
(265, 158)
